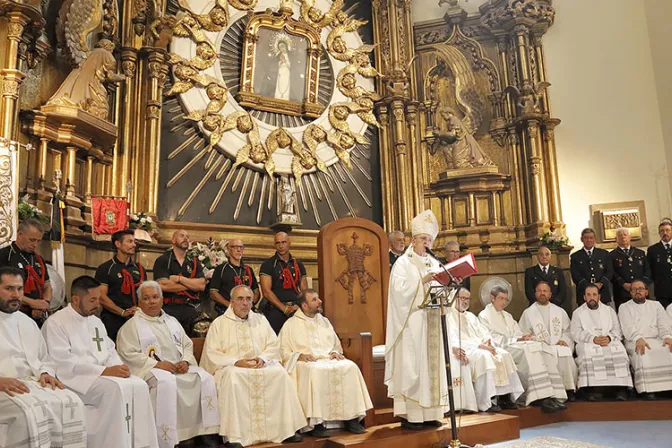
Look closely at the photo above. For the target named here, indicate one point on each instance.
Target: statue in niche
(287, 201)
(457, 144)
(86, 86)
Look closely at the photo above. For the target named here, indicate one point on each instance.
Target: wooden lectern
(353, 280)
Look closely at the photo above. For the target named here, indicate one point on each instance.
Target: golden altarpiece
(232, 117)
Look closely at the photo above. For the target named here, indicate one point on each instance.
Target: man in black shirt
(21, 254)
(660, 259)
(543, 271)
(119, 279)
(282, 277)
(591, 265)
(181, 280)
(232, 273)
(397, 242)
(629, 263)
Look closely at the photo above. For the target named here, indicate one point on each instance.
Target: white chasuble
(185, 404)
(599, 366)
(256, 405)
(492, 374)
(415, 369)
(43, 417)
(117, 409)
(329, 390)
(550, 324)
(538, 371)
(648, 320)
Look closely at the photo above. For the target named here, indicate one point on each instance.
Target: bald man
(181, 279)
(282, 278)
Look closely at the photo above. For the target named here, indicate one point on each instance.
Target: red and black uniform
(286, 284)
(228, 275)
(181, 305)
(34, 271)
(122, 281)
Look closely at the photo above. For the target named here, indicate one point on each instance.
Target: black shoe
(559, 404)
(621, 395)
(549, 406)
(410, 425)
(494, 408)
(592, 396)
(650, 396)
(191, 443)
(355, 426)
(209, 440)
(571, 396)
(433, 423)
(506, 403)
(233, 445)
(296, 438)
(319, 431)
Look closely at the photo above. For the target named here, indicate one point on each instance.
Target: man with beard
(660, 259)
(229, 274)
(22, 254)
(493, 370)
(648, 339)
(35, 410)
(181, 279)
(538, 371)
(118, 406)
(602, 359)
(629, 263)
(282, 278)
(119, 278)
(591, 266)
(397, 242)
(313, 356)
(550, 325)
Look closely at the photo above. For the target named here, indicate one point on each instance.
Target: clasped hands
(310, 358)
(251, 363)
(526, 337)
(602, 341)
(488, 346)
(177, 368)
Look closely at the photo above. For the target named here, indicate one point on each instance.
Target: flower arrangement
(211, 254)
(141, 221)
(553, 240)
(29, 211)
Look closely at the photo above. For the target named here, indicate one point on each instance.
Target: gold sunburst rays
(199, 187)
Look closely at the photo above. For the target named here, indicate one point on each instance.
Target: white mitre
(425, 222)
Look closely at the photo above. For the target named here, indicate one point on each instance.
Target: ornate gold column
(157, 71)
(12, 76)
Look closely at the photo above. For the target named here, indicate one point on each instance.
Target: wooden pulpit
(353, 269)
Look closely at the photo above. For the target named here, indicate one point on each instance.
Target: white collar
(548, 267)
(589, 250)
(627, 249)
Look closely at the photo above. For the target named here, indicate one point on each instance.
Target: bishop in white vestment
(35, 410)
(537, 370)
(415, 372)
(156, 348)
(331, 388)
(118, 406)
(257, 399)
(648, 339)
(550, 325)
(601, 356)
(493, 370)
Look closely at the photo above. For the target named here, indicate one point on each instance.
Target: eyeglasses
(641, 288)
(237, 247)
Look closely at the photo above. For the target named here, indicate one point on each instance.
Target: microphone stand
(437, 298)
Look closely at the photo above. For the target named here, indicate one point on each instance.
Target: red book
(462, 268)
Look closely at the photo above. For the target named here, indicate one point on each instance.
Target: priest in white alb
(550, 325)
(331, 388)
(118, 407)
(538, 371)
(35, 410)
(647, 330)
(156, 348)
(603, 362)
(257, 399)
(415, 372)
(493, 370)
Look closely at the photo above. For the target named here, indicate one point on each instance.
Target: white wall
(610, 143)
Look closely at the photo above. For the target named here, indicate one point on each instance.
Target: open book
(462, 268)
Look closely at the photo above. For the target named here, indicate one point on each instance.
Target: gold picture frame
(609, 217)
(289, 52)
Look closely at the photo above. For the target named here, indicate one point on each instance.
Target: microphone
(429, 251)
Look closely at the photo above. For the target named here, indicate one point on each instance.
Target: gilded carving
(14, 30)
(77, 19)
(532, 130)
(457, 144)
(6, 199)
(432, 37)
(535, 166)
(533, 10)
(315, 17)
(10, 87)
(528, 98)
(128, 68)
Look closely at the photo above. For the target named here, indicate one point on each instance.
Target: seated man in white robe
(35, 411)
(312, 353)
(156, 348)
(118, 406)
(648, 339)
(537, 370)
(601, 357)
(549, 324)
(257, 399)
(493, 371)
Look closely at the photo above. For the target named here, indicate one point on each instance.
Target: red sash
(34, 281)
(188, 294)
(238, 281)
(289, 280)
(129, 286)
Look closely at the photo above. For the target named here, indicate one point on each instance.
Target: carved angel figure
(457, 144)
(315, 17)
(85, 86)
(528, 98)
(287, 201)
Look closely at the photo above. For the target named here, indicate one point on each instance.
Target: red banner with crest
(110, 214)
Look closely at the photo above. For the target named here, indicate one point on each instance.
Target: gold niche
(276, 36)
